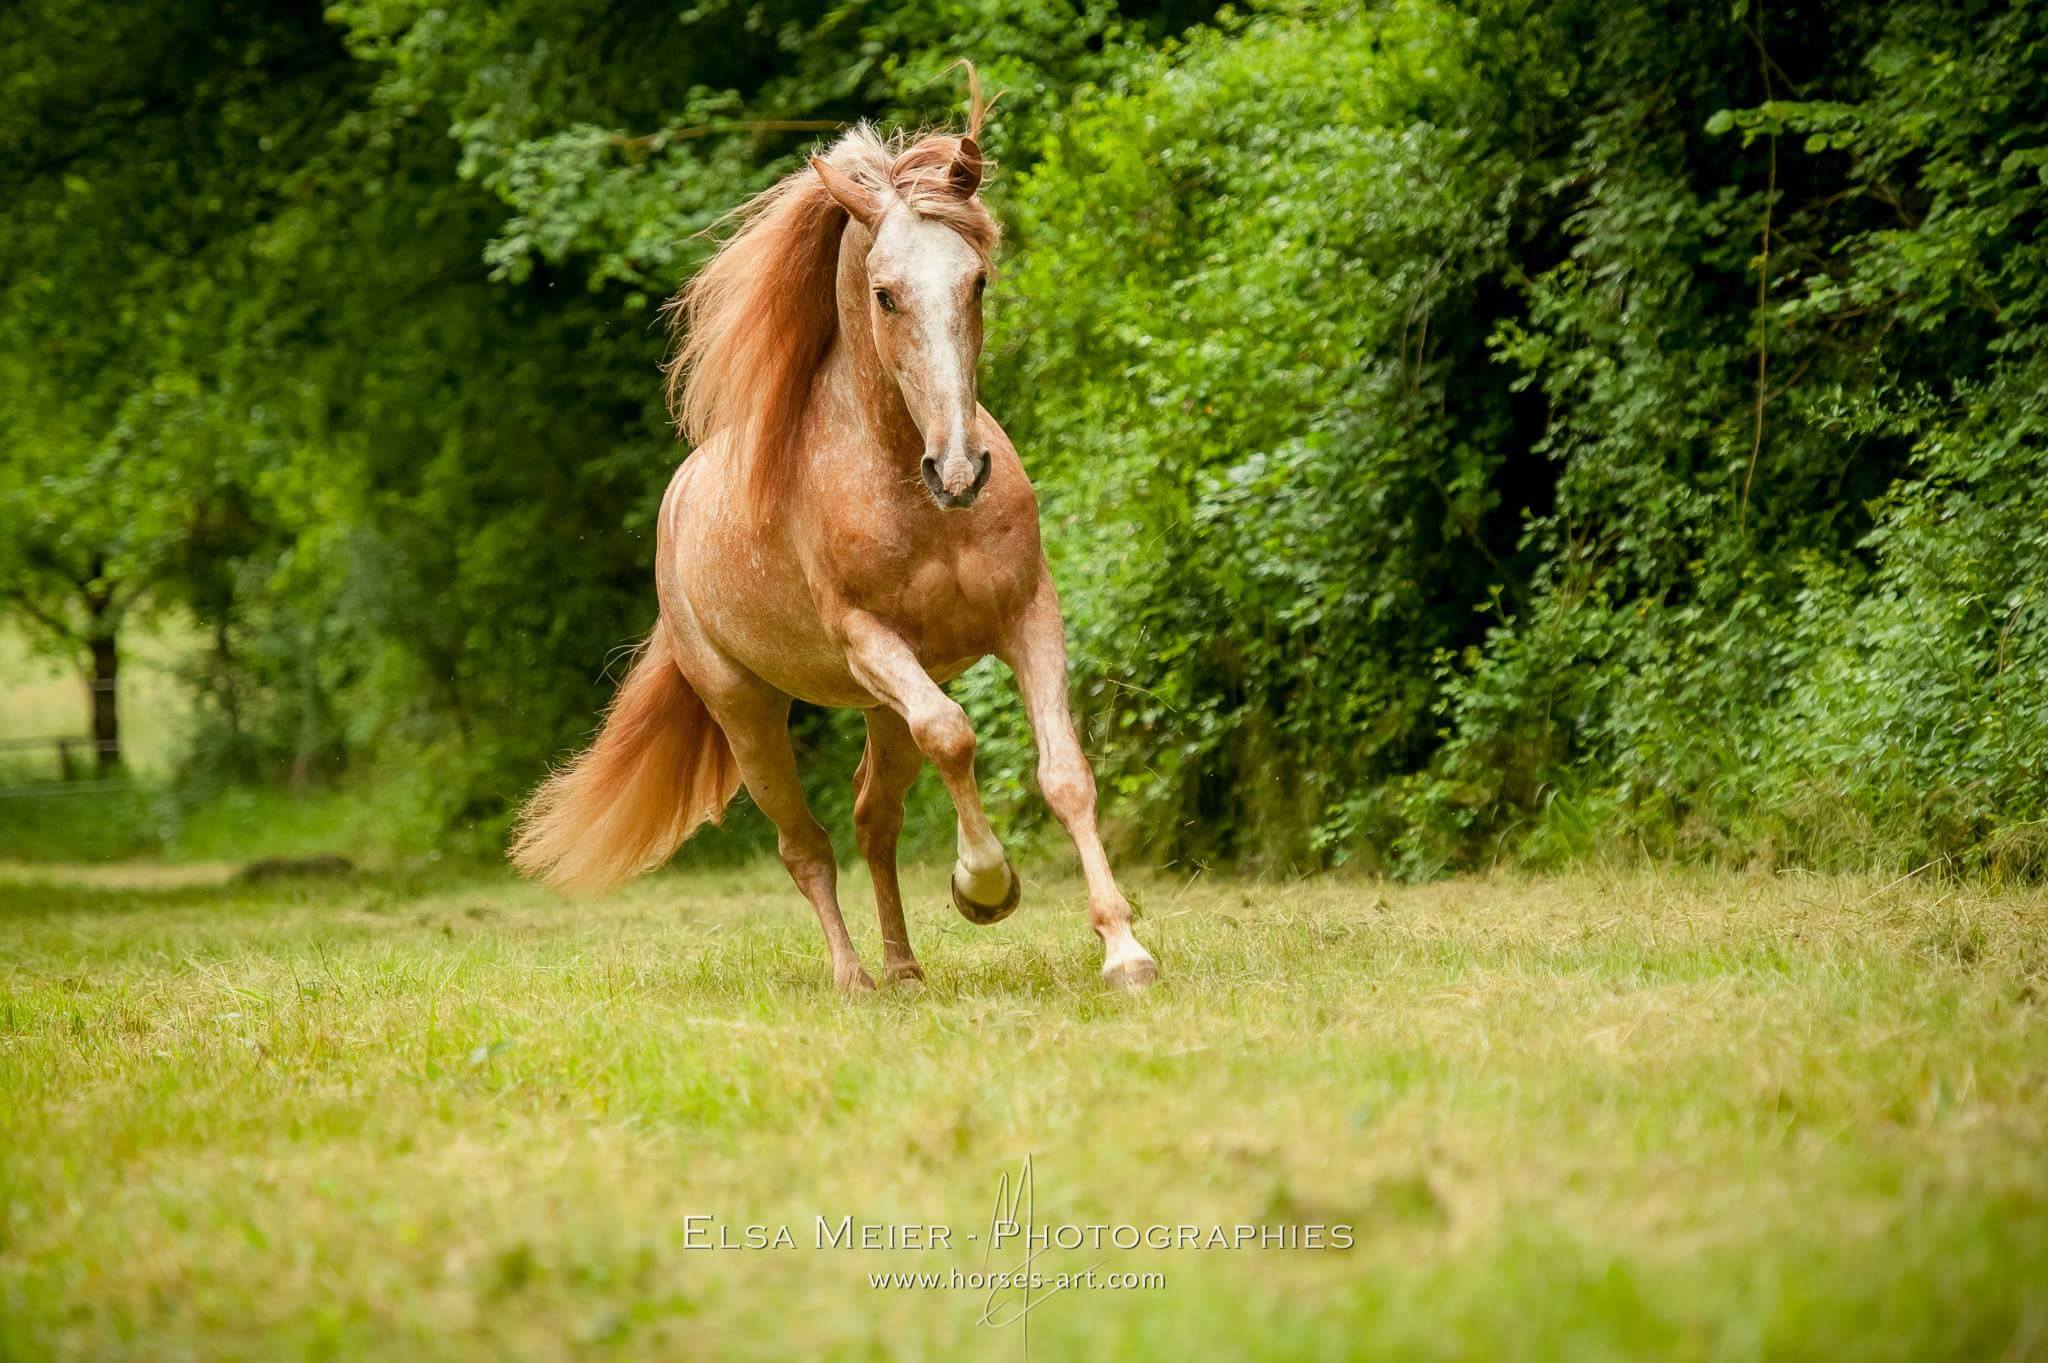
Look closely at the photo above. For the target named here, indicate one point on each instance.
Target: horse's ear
(965, 172)
(848, 192)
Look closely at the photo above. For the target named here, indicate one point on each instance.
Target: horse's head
(762, 315)
(927, 265)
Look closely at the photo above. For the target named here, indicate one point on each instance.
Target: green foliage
(1792, 601)
(1236, 370)
(1510, 426)
(1733, 550)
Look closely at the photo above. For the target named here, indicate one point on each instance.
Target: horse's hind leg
(887, 768)
(756, 723)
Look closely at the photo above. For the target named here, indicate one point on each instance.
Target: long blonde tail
(659, 769)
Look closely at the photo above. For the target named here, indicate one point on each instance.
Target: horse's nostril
(956, 479)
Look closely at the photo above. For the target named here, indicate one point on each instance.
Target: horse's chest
(948, 602)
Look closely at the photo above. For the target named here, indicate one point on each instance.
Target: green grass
(174, 825)
(1604, 1117)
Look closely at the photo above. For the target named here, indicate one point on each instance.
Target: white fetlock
(1127, 965)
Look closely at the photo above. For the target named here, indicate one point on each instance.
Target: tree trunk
(106, 718)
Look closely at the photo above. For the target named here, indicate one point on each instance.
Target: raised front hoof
(985, 914)
(1131, 976)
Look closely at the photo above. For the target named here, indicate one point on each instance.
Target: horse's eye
(886, 299)
(980, 284)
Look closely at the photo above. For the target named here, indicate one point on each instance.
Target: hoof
(985, 914)
(909, 975)
(856, 981)
(1131, 976)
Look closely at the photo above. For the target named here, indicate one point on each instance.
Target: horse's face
(924, 305)
(924, 302)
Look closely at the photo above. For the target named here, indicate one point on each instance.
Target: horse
(851, 529)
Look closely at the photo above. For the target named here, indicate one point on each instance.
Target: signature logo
(1014, 1293)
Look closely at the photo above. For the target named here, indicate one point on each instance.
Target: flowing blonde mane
(758, 320)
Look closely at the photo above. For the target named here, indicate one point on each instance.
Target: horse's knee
(946, 737)
(1069, 788)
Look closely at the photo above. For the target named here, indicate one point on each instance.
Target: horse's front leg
(1037, 652)
(985, 888)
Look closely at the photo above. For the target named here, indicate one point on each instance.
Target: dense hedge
(1547, 426)
(1465, 430)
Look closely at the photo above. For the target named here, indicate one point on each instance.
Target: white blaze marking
(935, 264)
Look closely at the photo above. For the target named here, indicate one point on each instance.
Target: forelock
(916, 169)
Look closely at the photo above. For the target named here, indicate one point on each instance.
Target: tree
(125, 186)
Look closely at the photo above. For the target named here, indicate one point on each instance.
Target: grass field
(1615, 1116)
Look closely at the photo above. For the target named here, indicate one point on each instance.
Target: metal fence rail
(76, 771)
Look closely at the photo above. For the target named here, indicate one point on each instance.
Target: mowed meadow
(1625, 1113)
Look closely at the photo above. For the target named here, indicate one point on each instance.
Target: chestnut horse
(852, 530)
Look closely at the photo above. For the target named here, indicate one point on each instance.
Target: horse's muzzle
(957, 480)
